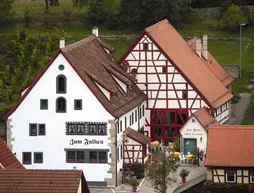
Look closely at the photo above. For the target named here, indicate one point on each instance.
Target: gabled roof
(95, 66)
(213, 65)
(204, 117)
(7, 159)
(91, 62)
(193, 69)
(42, 181)
(230, 146)
(137, 136)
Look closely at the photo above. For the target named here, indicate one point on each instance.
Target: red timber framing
(169, 92)
(135, 146)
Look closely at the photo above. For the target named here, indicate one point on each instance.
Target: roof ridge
(152, 27)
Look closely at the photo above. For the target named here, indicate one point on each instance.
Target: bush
(27, 17)
(6, 12)
(46, 19)
(134, 182)
(67, 14)
(233, 17)
(184, 173)
(138, 169)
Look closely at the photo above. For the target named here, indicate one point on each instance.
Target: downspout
(116, 129)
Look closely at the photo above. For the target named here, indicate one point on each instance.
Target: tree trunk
(47, 4)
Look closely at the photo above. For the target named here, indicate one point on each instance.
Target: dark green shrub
(27, 17)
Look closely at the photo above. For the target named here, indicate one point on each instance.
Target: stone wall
(232, 69)
(214, 12)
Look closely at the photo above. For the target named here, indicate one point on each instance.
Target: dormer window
(145, 46)
(61, 84)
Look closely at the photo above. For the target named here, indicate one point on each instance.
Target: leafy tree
(160, 170)
(146, 12)
(6, 11)
(52, 3)
(233, 17)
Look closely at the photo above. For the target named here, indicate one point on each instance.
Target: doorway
(190, 145)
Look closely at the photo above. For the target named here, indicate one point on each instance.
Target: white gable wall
(194, 130)
(54, 143)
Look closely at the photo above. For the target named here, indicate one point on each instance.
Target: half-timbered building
(177, 80)
(229, 157)
(75, 112)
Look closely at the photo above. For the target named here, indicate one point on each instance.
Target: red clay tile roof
(7, 159)
(137, 136)
(230, 145)
(204, 117)
(95, 66)
(213, 65)
(177, 51)
(41, 181)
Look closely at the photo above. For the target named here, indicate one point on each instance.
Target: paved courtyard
(145, 187)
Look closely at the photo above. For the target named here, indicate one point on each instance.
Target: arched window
(60, 105)
(61, 84)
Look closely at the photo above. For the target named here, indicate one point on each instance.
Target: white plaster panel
(154, 94)
(149, 55)
(171, 94)
(136, 55)
(133, 63)
(130, 57)
(183, 103)
(163, 86)
(160, 63)
(149, 63)
(196, 104)
(141, 69)
(153, 86)
(159, 69)
(153, 78)
(136, 47)
(155, 47)
(171, 69)
(178, 78)
(163, 77)
(141, 86)
(161, 104)
(142, 55)
(170, 77)
(141, 77)
(162, 94)
(162, 57)
(180, 86)
(170, 86)
(192, 94)
(179, 94)
(173, 104)
(203, 104)
(151, 103)
(151, 69)
(155, 55)
(190, 103)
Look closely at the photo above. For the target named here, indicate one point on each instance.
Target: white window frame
(252, 182)
(231, 181)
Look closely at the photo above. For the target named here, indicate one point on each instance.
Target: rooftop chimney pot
(95, 31)
(62, 43)
(205, 47)
(198, 47)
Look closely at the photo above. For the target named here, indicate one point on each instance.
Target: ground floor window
(251, 177)
(27, 158)
(86, 156)
(230, 176)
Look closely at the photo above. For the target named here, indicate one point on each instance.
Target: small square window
(252, 178)
(164, 69)
(145, 46)
(38, 158)
(193, 120)
(93, 157)
(102, 129)
(230, 177)
(80, 156)
(44, 104)
(27, 157)
(70, 156)
(42, 129)
(78, 104)
(184, 93)
(33, 129)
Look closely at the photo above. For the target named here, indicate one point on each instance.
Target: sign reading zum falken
(85, 142)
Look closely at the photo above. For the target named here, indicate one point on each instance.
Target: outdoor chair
(182, 158)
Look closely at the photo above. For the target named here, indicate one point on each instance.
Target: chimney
(62, 43)
(205, 47)
(95, 31)
(198, 47)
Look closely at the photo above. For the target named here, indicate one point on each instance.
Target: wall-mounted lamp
(201, 139)
(110, 155)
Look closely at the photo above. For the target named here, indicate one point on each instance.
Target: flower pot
(183, 180)
(134, 189)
